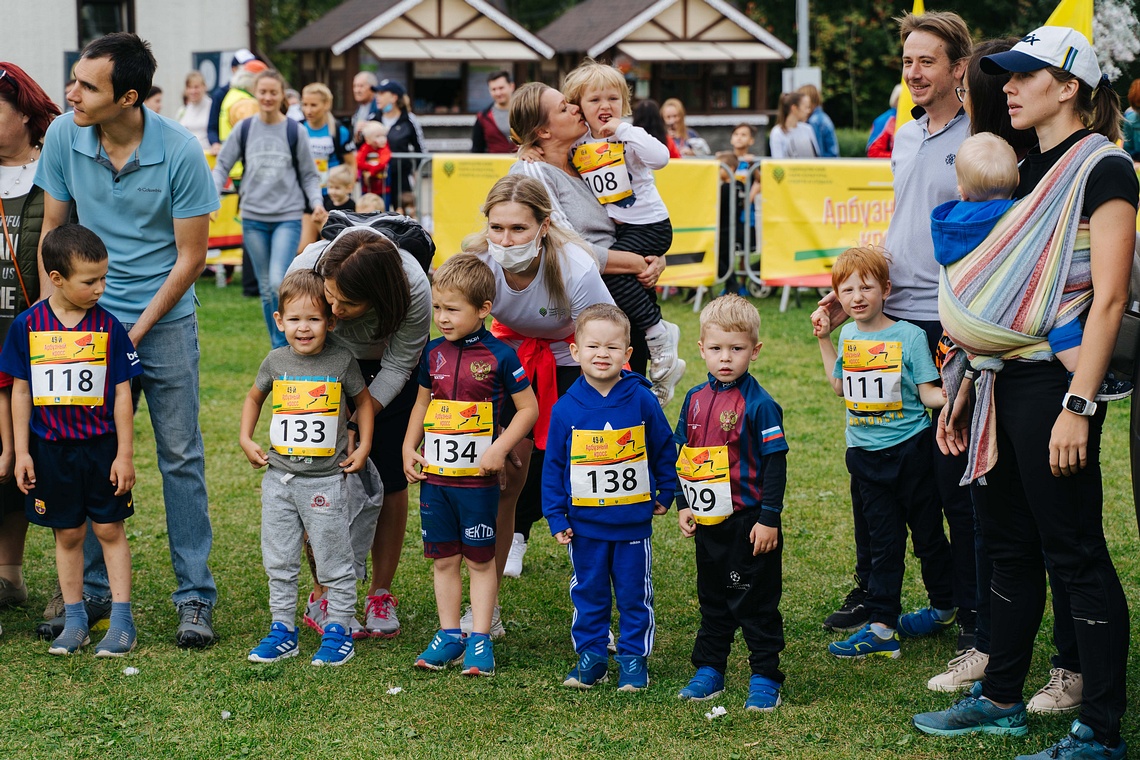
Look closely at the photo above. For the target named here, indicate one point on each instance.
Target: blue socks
(75, 633)
(944, 615)
(76, 616)
(456, 632)
(121, 618)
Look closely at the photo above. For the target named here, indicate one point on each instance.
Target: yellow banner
(461, 181)
(813, 210)
(225, 230)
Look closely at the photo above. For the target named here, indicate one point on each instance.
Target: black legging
(529, 509)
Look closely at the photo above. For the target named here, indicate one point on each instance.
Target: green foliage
(852, 142)
(275, 21)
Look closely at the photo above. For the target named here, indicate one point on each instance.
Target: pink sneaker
(380, 619)
(317, 615)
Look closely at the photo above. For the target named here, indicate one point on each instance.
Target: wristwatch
(356, 428)
(1078, 405)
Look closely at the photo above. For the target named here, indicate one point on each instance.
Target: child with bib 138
(887, 378)
(608, 470)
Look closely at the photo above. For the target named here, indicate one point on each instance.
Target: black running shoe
(852, 614)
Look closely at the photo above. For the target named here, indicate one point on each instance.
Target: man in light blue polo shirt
(140, 181)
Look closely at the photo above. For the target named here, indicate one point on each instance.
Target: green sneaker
(974, 714)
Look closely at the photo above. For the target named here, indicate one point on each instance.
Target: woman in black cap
(394, 111)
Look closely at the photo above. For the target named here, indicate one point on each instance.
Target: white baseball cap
(1045, 46)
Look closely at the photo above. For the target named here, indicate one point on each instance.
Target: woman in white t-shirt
(195, 111)
(792, 137)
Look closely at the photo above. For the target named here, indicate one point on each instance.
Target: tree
(275, 21)
(1116, 32)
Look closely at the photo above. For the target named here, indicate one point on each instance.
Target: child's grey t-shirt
(309, 396)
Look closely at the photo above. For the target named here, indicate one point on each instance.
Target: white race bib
(456, 435)
(872, 375)
(608, 467)
(68, 368)
(704, 474)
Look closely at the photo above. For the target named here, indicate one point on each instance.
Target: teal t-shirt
(881, 372)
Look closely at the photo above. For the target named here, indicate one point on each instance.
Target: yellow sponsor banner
(813, 210)
(461, 181)
(225, 230)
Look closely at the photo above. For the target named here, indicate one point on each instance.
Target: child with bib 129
(303, 490)
(608, 470)
(887, 377)
(616, 161)
(71, 363)
(465, 377)
(733, 471)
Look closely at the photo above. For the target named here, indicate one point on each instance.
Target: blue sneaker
(479, 657)
(336, 647)
(923, 622)
(972, 714)
(763, 694)
(705, 684)
(591, 669)
(443, 650)
(864, 643)
(633, 675)
(1078, 745)
(279, 644)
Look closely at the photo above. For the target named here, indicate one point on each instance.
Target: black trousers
(1028, 511)
(738, 590)
(894, 490)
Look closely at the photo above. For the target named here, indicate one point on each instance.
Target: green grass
(81, 707)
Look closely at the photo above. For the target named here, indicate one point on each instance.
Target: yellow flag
(1077, 14)
(906, 103)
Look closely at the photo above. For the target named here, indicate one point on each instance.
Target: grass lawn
(81, 707)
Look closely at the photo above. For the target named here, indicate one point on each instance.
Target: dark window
(99, 17)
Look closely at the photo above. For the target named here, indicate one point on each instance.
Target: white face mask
(516, 258)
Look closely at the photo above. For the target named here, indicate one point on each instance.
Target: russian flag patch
(519, 374)
(771, 434)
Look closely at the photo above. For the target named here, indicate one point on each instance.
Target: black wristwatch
(353, 426)
(1078, 405)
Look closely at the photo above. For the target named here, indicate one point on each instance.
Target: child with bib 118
(71, 364)
(616, 160)
(733, 471)
(303, 491)
(465, 377)
(887, 379)
(609, 468)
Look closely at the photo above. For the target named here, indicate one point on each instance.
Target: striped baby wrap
(1029, 275)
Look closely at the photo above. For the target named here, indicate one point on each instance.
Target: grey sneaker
(380, 615)
(54, 607)
(195, 626)
(467, 622)
(97, 611)
(11, 594)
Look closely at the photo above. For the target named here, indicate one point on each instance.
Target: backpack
(291, 131)
(405, 232)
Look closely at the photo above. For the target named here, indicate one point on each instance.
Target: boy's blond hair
(466, 274)
(602, 312)
(986, 166)
(868, 261)
(303, 283)
(373, 129)
(320, 90)
(731, 314)
(341, 175)
(590, 73)
(370, 202)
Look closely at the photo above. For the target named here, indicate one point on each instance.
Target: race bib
(68, 368)
(602, 167)
(322, 171)
(705, 482)
(456, 435)
(306, 417)
(872, 375)
(608, 467)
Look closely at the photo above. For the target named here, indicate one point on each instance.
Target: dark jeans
(738, 590)
(894, 490)
(1026, 511)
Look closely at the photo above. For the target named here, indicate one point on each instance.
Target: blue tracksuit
(608, 460)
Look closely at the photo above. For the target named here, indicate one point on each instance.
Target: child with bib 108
(733, 471)
(303, 491)
(71, 364)
(616, 160)
(609, 468)
(464, 377)
(887, 379)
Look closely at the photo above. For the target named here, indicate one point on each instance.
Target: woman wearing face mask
(381, 299)
(273, 194)
(545, 276)
(394, 110)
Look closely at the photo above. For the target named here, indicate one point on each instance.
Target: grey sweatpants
(290, 507)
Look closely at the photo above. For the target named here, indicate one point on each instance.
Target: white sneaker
(1063, 693)
(380, 616)
(663, 351)
(467, 622)
(513, 568)
(611, 645)
(317, 617)
(961, 672)
(663, 390)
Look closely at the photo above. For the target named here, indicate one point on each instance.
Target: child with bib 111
(609, 468)
(303, 490)
(887, 378)
(465, 377)
(71, 365)
(616, 161)
(733, 471)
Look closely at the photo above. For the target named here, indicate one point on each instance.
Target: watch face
(1076, 405)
